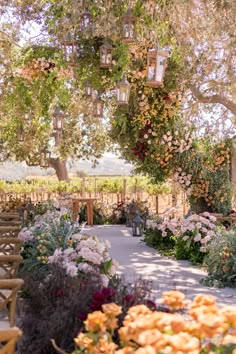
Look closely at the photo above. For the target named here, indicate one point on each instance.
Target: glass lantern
(156, 66)
(123, 91)
(128, 27)
(58, 118)
(88, 89)
(44, 158)
(137, 225)
(98, 108)
(58, 136)
(86, 20)
(20, 134)
(69, 47)
(105, 56)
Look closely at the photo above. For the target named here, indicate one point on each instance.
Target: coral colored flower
(96, 321)
(175, 299)
(112, 310)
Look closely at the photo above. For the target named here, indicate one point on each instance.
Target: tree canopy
(157, 129)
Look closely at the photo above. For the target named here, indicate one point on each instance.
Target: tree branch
(216, 98)
(10, 39)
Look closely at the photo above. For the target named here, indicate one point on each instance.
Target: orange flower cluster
(150, 332)
(41, 66)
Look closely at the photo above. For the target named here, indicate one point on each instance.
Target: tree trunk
(60, 168)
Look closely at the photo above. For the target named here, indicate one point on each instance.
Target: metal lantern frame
(156, 66)
(57, 136)
(70, 48)
(105, 55)
(98, 106)
(58, 118)
(86, 20)
(129, 27)
(44, 158)
(137, 225)
(20, 134)
(123, 91)
(88, 89)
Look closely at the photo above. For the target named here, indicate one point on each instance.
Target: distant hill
(108, 165)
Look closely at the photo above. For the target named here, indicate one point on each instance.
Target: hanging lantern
(58, 118)
(137, 226)
(69, 45)
(98, 107)
(128, 27)
(28, 116)
(156, 65)
(20, 134)
(86, 20)
(88, 89)
(44, 158)
(57, 136)
(123, 91)
(106, 56)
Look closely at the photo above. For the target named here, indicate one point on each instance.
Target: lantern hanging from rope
(156, 66)
(128, 27)
(123, 91)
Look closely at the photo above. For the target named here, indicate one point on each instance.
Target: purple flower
(109, 293)
(96, 305)
(151, 304)
(98, 295)
(82, 316)
(59, 293)
(129, 300)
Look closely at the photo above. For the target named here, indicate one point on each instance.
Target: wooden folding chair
(9, 266)
(8, 340)
(8, 295)
(10, 246)
(9, 231)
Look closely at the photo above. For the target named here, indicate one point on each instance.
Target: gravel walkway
(136, 259)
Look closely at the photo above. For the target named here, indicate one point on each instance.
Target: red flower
(59, 293)
(167, 98)
(98, 295)
(109, 293)
(129, 300)
(151, 304)
(82, 316)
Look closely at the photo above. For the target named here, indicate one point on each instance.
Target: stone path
(136, 259)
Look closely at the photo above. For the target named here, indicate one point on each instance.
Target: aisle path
(137, 259)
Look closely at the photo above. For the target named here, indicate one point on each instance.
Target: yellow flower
(84, 341)
(229, 339)
(104, 346)
(112, 310)
(152, 337)
(230, 314)
(96, 321)
(175, 299)
(212, 324)
(184, 343)
(126, 350)
(146, 350)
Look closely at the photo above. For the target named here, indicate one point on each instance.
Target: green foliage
(189, 250)
(221, 260)
(153, 237)
(100, 214)
(104, 185)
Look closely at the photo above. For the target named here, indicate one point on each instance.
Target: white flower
(71, 270)
(90, 256)
(107, 244)
(197, 238)
(104, 280)
(185, 238)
